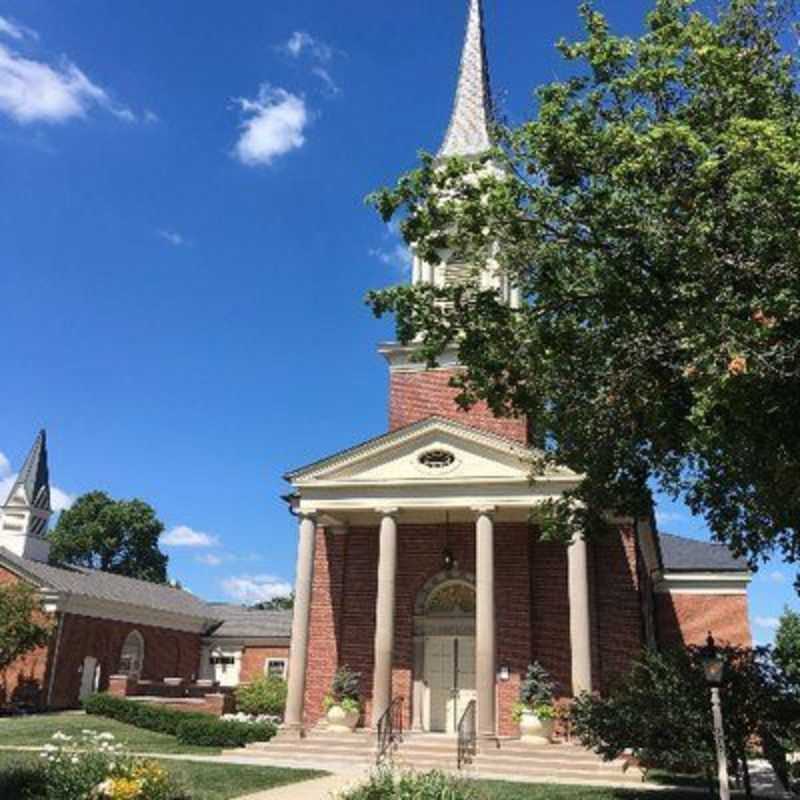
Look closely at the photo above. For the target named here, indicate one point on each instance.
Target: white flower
(75, 759)
(50, 748)
(105, 737)
(61, 737)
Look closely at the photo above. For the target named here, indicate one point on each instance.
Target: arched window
(132, 658)
(451, 598)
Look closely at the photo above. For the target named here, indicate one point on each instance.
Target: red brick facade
(684, 619)
(254, 660)
(418, 395)
(531, 597)
(167, 654)
(26, 680)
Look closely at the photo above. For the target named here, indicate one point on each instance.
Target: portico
(401, 486)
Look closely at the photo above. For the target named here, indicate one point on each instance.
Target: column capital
(390, 511)
(484, 511)
(308, 513)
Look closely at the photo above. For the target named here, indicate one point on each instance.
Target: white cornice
(717, 583)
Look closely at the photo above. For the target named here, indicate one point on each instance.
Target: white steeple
(468, 133)
(24, 517)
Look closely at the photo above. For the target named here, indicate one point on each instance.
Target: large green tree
(787, 646)
(649, 212)
(23, 627)
(119, 536)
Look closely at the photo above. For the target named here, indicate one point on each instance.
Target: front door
(90, 677)
(450, 679)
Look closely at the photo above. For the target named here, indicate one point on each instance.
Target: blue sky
(185, 247)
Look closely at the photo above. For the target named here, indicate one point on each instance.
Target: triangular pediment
(435, 450)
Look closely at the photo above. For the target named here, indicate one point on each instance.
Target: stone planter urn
(535, 730)
(341, 721)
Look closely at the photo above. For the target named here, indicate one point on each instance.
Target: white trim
(401, 358)
(274, 660)
(711, 583)
(316, 472)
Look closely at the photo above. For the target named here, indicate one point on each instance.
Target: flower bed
(95, 767)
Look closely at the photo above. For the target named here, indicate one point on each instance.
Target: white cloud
(33, 91)
(300, 42)
(325, 76)
(5, 465)
(184, 536)
(172, 237)
(60, 500)
(274, 125)
(15, 30)
(770, 623)
(150, 117)
(777, 577)
(251, 589)
(395, 253)
(209, 559)
(666, 517)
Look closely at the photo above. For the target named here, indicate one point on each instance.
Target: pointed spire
(468, 134)
(34, 476)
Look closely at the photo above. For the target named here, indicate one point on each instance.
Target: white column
(485, 634)
(298, 653)
(580, 616)
(384, 615)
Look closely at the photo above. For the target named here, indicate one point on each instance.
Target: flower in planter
(344, 691)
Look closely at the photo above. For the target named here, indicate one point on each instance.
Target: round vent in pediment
(437, 460)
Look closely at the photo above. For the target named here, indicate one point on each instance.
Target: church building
(420, 564)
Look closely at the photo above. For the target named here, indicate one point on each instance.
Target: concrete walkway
(320, 789)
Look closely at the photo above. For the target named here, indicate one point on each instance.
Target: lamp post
(714, 668)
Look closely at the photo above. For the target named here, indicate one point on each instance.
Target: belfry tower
(25, 514)
(415, 391)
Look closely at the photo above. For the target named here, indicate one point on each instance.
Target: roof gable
(473, 455)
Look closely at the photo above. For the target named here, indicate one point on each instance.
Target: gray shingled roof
(99, 585)
(240, 622)
(679, 554)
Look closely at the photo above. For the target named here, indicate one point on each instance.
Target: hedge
(141, 715)
(191, 727)
(223, 733)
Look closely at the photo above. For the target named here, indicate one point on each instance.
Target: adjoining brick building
(108, 625)
(420, 563)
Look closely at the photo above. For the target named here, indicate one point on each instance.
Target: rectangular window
(223, 661)
(275, 668)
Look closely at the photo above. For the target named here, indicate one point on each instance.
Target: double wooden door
(450, 680)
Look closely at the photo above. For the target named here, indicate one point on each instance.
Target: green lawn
(38, 730)
(204, 781)
(496, 790)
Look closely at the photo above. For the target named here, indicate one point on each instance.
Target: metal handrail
(390, 729)
(467, 735)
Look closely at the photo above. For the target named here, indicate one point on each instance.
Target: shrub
(263, 696)
(93, 767)
(662, 712)
(223, 733)
(536, 693)
(141, 715)
(386, 785)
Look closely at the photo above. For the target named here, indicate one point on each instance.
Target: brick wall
(415, 396)
(27, 679)
(254, 660)
(683, 619)
(167, 654)
(618, 635)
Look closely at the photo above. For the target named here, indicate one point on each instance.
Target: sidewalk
(320, 789)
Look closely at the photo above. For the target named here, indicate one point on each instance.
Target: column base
(293, 732)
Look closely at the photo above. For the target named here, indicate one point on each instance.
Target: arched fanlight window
(132, 657)
(452, 598)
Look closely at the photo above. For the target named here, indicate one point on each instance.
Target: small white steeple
(24, 517)
(468, 133)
